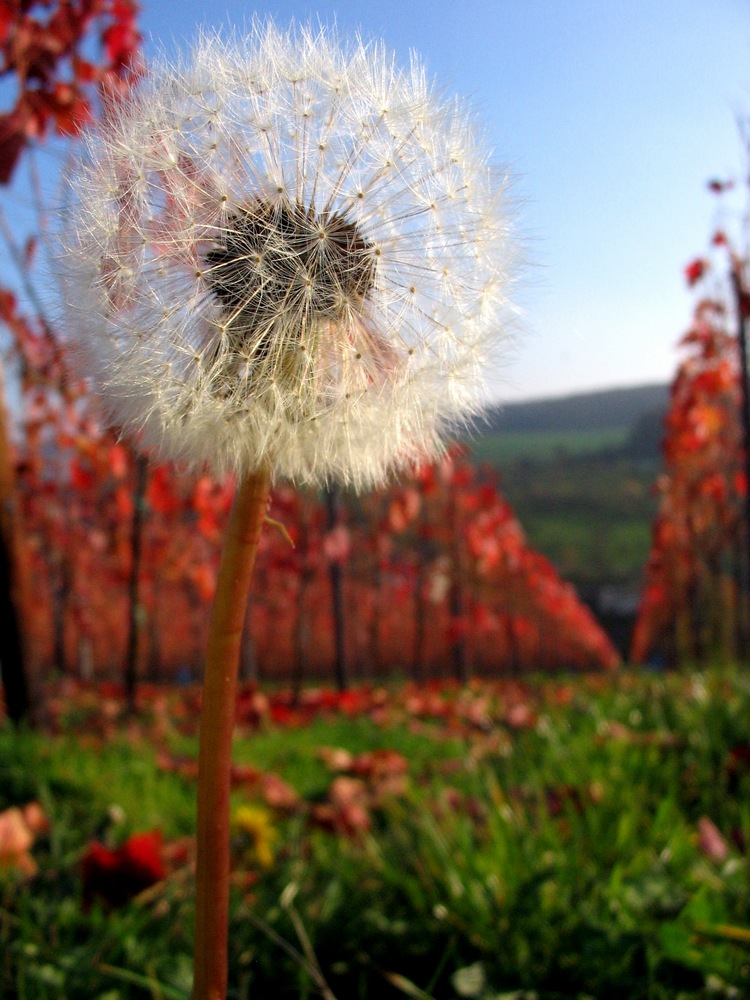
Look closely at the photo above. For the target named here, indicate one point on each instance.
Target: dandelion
(283, 257)
(284, 253)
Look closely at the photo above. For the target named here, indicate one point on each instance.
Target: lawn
(562, 838)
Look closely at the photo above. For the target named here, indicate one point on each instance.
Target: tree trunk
(13, 587)
(337, 595)
(135, 613)
(742, 299)
(457, 599)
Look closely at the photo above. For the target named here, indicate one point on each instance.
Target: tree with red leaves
(55, 89)
(691, 604)
(696, 599)
(41, 50)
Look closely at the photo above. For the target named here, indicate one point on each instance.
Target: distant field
(583, 503)
(579, 472)
(540, 445)
(592, 550)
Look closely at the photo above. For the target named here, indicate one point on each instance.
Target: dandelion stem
(217, 722)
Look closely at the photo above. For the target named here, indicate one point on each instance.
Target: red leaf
(69, 108)
(124, 503)
(85, 72)
(277, 793)
(711, 841)
(81, 478)
(695, 270)
(121, 40)
(160, 495)
(8, 16)
(118, 461)
(117, 876)
(203, 577)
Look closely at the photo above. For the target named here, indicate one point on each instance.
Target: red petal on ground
(244, 774)
(335, 758)
(711, 841)
(277, 793)
(116, 876)
(15, 835)
(379, 764)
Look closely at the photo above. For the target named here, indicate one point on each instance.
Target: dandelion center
(283, 261)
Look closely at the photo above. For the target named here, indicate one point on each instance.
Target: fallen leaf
(711, 841)
(116, 876)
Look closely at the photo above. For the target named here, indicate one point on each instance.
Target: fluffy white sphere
(288, 252)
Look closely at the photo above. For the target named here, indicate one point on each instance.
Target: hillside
(601, 410)
(579, 472)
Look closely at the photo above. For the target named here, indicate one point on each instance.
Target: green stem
(215, 750)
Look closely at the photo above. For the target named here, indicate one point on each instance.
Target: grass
(295, 754)
(85, 779)
(550, 843)
(503, 447)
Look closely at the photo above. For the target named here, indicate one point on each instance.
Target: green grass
(560, 860)
(510, 446)
(85, 780)
(294, 754)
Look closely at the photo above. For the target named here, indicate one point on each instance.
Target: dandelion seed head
(287, 251)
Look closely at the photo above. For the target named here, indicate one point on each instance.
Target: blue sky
(611, 116)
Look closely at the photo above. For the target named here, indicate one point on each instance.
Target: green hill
(579, 472)
(599, 410)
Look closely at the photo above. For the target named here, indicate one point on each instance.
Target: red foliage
(689, 606)
(459, 573)
(695, 270)
(40, 47)
(116, 876)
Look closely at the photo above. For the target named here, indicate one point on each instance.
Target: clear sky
(610, 114)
